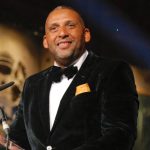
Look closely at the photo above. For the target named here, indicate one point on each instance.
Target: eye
(71, 25)
(53, 29)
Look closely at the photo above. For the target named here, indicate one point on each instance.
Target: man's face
(65, 36)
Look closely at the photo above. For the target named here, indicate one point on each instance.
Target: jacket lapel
(44, 88)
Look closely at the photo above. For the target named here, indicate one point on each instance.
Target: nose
(63, 32)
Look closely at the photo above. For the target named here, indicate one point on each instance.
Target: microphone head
(4, 86)
(3, 119)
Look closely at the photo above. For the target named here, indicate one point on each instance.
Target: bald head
(65, 7)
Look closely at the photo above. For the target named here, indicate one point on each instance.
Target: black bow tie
(57, 72)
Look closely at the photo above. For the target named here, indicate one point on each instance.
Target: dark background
(29, 16)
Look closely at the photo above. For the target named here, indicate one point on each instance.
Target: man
(95, 108)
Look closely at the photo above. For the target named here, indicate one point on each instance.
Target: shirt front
(58, 89)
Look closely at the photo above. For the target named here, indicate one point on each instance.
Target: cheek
(51, 44)
(51, 38)
(80, 39)
(76, 34)
(80, 36)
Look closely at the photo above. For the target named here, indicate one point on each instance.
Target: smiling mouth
(64, 44)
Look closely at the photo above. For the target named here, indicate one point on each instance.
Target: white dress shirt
(58, 89)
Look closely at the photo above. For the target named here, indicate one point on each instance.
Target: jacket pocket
(83, 102)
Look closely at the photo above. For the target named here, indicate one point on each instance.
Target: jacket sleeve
(17, 129)
(119, 111)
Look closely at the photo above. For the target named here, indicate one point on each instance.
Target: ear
(87, 35)
(45, 44)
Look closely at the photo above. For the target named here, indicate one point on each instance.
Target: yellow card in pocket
(83, 88)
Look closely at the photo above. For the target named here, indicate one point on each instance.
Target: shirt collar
(78, 63)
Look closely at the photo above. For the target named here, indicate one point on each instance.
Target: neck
(78, 62)
(65, 63)
(62, 65)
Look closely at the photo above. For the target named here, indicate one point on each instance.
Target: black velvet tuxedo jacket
(103, 119)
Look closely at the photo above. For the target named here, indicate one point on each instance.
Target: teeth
(64, 44)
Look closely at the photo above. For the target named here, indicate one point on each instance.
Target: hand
(2, 140)
(12, 145)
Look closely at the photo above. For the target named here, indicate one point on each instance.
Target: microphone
(4, 86)
(9, 144)
(4, 124)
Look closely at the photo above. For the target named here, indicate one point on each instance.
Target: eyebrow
(66, 22)
(53, 24)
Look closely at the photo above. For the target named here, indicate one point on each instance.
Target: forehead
(63, 14)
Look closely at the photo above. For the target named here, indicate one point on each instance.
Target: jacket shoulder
(38, 76)
(103, 63)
